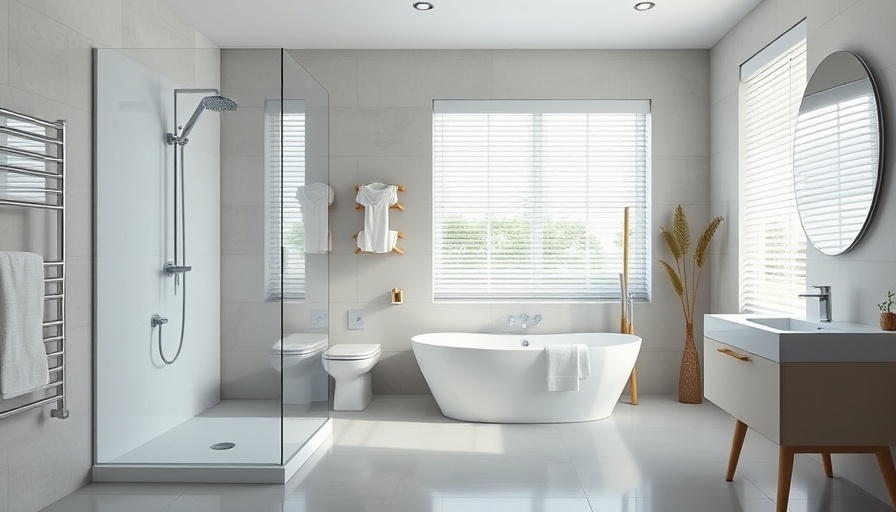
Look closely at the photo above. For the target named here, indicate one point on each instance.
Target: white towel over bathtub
(567, 364)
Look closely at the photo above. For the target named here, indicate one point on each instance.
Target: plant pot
(690, 390)
(888, 321)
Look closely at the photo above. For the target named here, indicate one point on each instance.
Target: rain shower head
(218, 104)
(213, 103)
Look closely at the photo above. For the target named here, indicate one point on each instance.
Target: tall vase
(689, 389)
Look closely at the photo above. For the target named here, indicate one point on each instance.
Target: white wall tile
(242, 180)
(724, 77)
(683, 78)
(337, 74)
(249, 375)
(243, 133)
(381, 131)
(142, 27)
(397, 373)
(4, 41)
(681, 179)
(724, 126)
(99, 20)
(680, 131)
(242, 230)
(49, 59)
(414, 81)
(561, 74)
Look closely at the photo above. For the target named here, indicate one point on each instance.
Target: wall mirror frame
(838, 153)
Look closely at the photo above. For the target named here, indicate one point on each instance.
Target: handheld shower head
(213, 103)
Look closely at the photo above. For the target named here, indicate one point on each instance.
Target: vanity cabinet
(805, 407)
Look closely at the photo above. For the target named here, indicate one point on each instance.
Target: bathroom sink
(787, 339)
(786, 323)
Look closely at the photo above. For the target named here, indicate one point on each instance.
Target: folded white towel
(23, 358)
(315, 200)
(366, 245)
(584, 361)
(566, 365)
(376, 199)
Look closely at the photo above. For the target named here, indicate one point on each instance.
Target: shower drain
(222, 446)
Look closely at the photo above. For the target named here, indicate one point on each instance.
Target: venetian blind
(528, 199)
(284, 174)
(772, 243)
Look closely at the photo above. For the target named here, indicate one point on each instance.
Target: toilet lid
(352, 351)
(300, 343)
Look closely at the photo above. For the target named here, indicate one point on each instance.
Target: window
(22, 187)
(528, 199)
(772, 243)
(284, 130)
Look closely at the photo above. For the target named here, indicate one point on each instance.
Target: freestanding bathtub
(502, 378)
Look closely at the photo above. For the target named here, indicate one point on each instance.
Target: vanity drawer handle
(729, 352)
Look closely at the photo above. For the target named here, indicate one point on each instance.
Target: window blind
(772, 243)
(284, 174)
(528, 199)
(20, 187)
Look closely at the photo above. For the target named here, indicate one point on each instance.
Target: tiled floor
(401, 455)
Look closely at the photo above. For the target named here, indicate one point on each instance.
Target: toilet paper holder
(397, 296)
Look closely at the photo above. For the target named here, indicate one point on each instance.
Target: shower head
(213, 103)
(218, 104)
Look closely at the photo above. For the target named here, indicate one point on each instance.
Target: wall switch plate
(355, 319)
(319, 319)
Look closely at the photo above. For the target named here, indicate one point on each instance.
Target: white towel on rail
(363, 241)
(315, 200)
(23, 358)
(566, 364)
(376, 199)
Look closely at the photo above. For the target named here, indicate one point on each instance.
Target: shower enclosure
(203, 266)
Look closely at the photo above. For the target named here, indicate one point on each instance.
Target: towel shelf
(33, 159)
(398, 206)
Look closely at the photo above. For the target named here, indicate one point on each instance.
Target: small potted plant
(887, 318)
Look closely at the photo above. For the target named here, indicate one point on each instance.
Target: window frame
(597, 286)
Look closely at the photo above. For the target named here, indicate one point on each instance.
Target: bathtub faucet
(525, 320)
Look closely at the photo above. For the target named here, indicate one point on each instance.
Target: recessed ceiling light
(644, 6)
(423, 6)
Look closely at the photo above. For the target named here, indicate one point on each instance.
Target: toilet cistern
(824, 302)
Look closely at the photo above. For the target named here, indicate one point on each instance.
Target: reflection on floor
(401, 455)
(253, 426)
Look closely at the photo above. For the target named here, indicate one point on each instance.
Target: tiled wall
(45, 70)
(860, 278)
(381, 130)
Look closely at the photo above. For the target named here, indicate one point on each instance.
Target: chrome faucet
(824, 302)
(525, 320)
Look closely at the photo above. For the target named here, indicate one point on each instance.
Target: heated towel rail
(32, 176)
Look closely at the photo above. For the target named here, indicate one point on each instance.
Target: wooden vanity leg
(785, 473)
(633, 379)
(740, 433)
(828, 466)
(885, 461)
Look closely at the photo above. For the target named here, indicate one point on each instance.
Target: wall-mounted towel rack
(32, 176)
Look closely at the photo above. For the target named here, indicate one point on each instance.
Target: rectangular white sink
(787, 339)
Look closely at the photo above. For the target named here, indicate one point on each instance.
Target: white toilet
(350, 366)
(304, 379)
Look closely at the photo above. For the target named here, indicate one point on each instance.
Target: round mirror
(837, 153)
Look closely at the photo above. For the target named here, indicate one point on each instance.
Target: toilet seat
(300, 343)
(352, 352)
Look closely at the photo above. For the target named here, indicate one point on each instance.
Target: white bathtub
(494, 378)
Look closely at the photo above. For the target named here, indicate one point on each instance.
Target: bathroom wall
(139, 397)
(860, 278)
(380, 130)
(45, 70)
